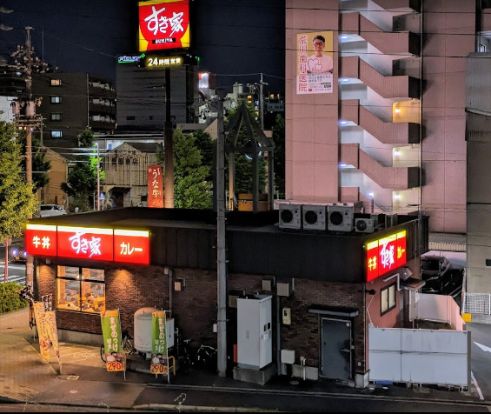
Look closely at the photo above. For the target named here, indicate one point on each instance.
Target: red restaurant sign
(155, 193)
(131, 246)
(384, 255)
(112, 245)
(40, 240)
(163, 24)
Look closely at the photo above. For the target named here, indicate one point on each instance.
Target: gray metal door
(336, 349)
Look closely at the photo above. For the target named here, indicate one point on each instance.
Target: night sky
(232, 37)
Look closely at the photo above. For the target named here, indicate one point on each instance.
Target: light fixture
(396, 152)
(397, 196)
(397, 110)
(371, 195)
(342, 122)
(343, 80)
(343, 37)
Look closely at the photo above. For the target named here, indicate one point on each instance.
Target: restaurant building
(323, 288)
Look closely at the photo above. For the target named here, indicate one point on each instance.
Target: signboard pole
(168, 147)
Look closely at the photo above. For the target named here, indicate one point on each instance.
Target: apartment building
(71, 102)
(388, 126)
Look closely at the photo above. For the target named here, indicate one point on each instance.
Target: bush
(9, 297)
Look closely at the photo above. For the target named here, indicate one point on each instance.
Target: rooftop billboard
(163, 25)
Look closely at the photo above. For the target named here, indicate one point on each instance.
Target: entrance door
(336, 349)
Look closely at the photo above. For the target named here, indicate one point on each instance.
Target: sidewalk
(85, 382)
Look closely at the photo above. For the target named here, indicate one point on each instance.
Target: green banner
(111, 331)
(159, 337)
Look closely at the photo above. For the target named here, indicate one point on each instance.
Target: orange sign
(155, 194)
(40, 240)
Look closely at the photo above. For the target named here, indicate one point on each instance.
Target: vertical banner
(52, 333)
(113, 341)
(155, 192)
(42, 329)
(315, 64)
(160, 361)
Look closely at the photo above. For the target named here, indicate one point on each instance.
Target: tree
(191, 188)
(40, 166)
(17, 200)
(82, 177)
(279, 155)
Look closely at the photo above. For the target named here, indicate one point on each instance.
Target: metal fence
(477, 303)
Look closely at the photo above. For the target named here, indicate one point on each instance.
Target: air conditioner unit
(313, 217)
(365, 225)
(340, 218)
(290, 216)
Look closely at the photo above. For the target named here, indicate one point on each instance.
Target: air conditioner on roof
(290, 216)
(313, 217)
(340, 218)
(365, 225)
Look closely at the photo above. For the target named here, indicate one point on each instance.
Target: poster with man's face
(315, 62)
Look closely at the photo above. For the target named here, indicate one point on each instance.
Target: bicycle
(26, 294)
(185, 356)
(206, 357)
(128, 347)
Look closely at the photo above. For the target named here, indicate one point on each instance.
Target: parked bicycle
(206, 357)
(26, 294)
(128, 347)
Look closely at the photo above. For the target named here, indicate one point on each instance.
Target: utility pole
(261, 100)
(221, 253)
(28, 121)
(168, 148)
(98, 189)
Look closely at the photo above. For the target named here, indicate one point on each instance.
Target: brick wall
(195, 312)
(303, 335)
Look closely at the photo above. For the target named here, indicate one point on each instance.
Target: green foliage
(82, 177)
(279, 155)
(191, 188)
(17, 201)
(207, 148)
(9, 297)
(39, 179)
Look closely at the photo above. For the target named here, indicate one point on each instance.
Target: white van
(49, 210)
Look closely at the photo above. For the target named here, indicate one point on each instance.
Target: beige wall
(449, 39)
(311, 139)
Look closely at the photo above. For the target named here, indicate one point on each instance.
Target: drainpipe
(169, 272)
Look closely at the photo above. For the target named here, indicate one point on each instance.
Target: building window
(56, 116)
(56, 133)
(130, 118)
(387, 299)
(55, 82)
(55, 99)
(80, 289)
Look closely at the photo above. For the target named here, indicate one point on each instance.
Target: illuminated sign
(131, 246)
(130, 59)
(40, 239)
(160, 62)
(384, 255)
(163, 25)
(155, 193)
(203, 80)
(112, 245)
(85, 243)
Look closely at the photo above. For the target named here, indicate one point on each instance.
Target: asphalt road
(17, 272)
(299, 402)
(481, 356)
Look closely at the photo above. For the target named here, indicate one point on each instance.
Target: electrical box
(286, 316)
(254, 332)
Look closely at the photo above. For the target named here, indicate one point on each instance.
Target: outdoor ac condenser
(313, 217)
(290, 216)
(340, 218)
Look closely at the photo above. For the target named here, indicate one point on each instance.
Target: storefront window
(387, 298)
(80, 289)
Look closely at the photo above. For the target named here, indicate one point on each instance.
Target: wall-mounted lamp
(179, 285)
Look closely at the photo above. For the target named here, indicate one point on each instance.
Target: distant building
(141, 96)
(125, 168)
(71, 102)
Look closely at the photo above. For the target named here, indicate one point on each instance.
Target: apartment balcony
(408, 5)
(390, 43)
(385, 86)
(386, 132)
(394, 178)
